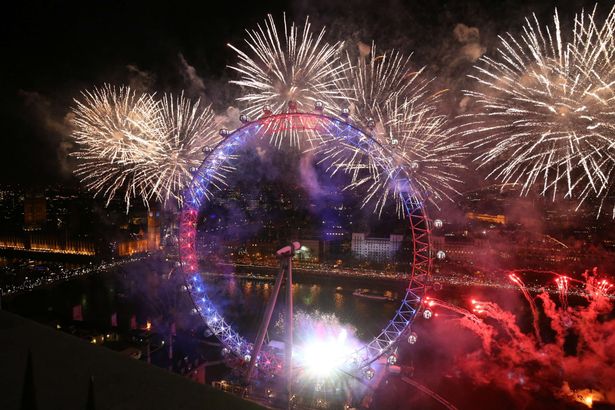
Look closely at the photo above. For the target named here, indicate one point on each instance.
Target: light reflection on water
(243, 301)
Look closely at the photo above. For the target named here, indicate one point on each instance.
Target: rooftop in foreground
(62, 366)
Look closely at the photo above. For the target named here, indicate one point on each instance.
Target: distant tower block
(35, 212)
(153, 230)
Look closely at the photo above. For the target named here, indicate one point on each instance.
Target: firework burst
(369, 83)
(288, 70)
(188, 130)
(546, 107)
(138, 146)
(118, 142)
(393, 101)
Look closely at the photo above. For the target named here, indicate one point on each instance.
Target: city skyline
(310, 205)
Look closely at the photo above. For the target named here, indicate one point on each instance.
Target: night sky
(53, 50)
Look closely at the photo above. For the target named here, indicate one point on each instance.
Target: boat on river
(370, 294)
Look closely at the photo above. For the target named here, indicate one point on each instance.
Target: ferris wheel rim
(420, 229)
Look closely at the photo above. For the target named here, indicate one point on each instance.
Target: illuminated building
(462, 249)
(494, 219)
(531, 251)
(51, 244)
(48, 244)
(12, 242)
(378, 249)
(35, 212)
(132, 247)
(153, 231)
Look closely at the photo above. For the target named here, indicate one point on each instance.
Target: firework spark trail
(141, 146)
(604, 192)
(369, 83)
(118, 142)
(423, 145)
(592, 331)
(468, 320)
(562, 289)
(545, 107)
(530, 300)
(392, 100)
(506, 319)
(288, 74)
(596, 290)
(188, 130)
(512, 358)
(562, 284)
(431, 302)
(421, 149)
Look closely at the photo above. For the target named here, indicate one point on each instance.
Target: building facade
(35, 212)
(378, 249)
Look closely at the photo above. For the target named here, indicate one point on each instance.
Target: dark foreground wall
(62, 366)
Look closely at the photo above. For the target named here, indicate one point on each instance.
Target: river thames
(146, 291)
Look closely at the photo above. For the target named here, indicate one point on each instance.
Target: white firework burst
(545, 107)
(118, 142)
(423, 154)
(189, 129)
(420, 153)
(288, 70)
(369, 83)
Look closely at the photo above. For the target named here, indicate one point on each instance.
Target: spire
(91, 403)
(28, 395)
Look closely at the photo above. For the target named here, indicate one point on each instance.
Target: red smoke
(578, 364)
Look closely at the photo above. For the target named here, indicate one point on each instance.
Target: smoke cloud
(195, 86)
(472, 50)
(40, 109)
(230, 118)
(309, 177)
(140, 80)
